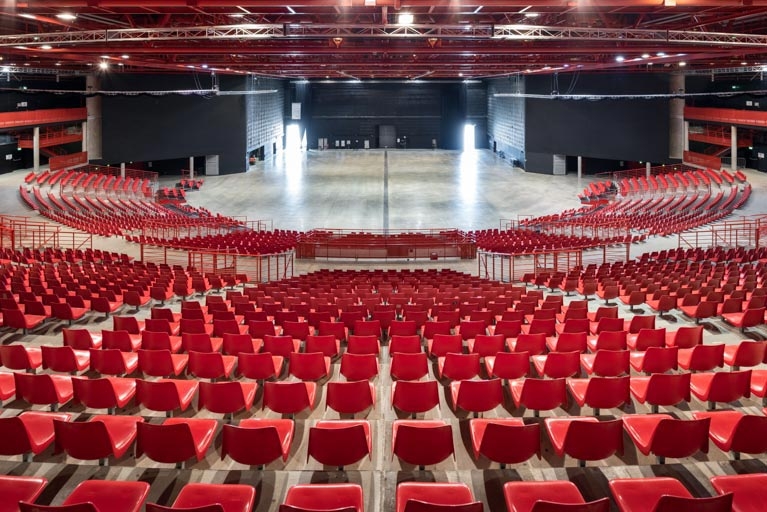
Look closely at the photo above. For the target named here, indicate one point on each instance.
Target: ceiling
(363, 39)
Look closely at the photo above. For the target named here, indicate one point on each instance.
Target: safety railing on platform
(748, 232)
(261, 268)
(511, 268)
(642, 171)
(23, 232)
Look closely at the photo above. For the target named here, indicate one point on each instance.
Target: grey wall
(506, 118)
(264, 114)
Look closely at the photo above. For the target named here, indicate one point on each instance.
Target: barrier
(749, 232)
(20, 232)
(262, 268)
(511, 268)
(385, 244)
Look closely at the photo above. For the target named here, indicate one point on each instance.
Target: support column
(580, 166)
(191, 167)
(84, 131)
(122, 169)
(93, 104)
(687, 135)
(676, 117)
(647, 167)
(36, 148)
(733, 148)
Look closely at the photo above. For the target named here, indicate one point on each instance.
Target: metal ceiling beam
(244, 32)
(32, 4)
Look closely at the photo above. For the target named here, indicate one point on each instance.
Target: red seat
(289, 397)
(166, 394)
(476, 395)
(409, 365)
(350, 397)
(14, 489)
(442, 344)
(458, 366)
(745, 319)
(422, 442)
(29, 433)
(327, 344)
(415, 396)
(434, 497)
(661, 389)
(257, 442)
(646, 338)
(218, 497)
(152, 340)
(162, 325)
(487, 345)
(606, 363)
(745, 353)
(339, 442)
(259, 366)
(176, 440)
(106, 393)
(539, 394)
(600, 392)
(227, 397)
(127, 323)
(161, 363)
(297, 330)
(120, 340)
(662, 494)
(557, 364)
(585, 438)
(281, 345)
(549, 496)
(63, 311)
(99, 495)
(44, 389)
(664, 436)
(736, 432)
(336, 329)
(703, 310)
(685, 337)
(81, 339)
(210, 365)
(608, 340)
(309, 366)
(568, 342)
(749, 491)
(16, 319)
(19, 357)
(505, 440)
(233, 344)
(508, 365)
(324, 498)
(363, 344)
(100, 437)
(359, 366)
(65, 359)
(7, 386)
(715, 387)
(403, 328)
(701, 358)
(655, 359)
(534, 344)
(113, 361)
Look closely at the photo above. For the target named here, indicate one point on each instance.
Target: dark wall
(420, 111)
(19, 89)
(739, 96)
(630, 129)
(148, 128)
(506, 118)
(264, 117)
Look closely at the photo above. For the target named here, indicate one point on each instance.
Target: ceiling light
(103, 65)
(120, 64)
(682, 64)
(125, 56)
(104, 56)
(405, 18)
(238, 15)
(531, 15)
(26, 64)
(645, 55)
(28, 16)
(58, 64)
(66, 16)
(743, 63)
(46, 47)
(620, 58)
(5, 69)
(661, 54)
(204, 66)
(290, 9)
(20, 47)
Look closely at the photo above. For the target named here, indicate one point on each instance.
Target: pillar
(580, 166)
(36, 149)
(93, 105)
(647, 167)
(122, 169)
(733, 148)
(687, 135)
(191, 167)
(84, 131)
(676, 117)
